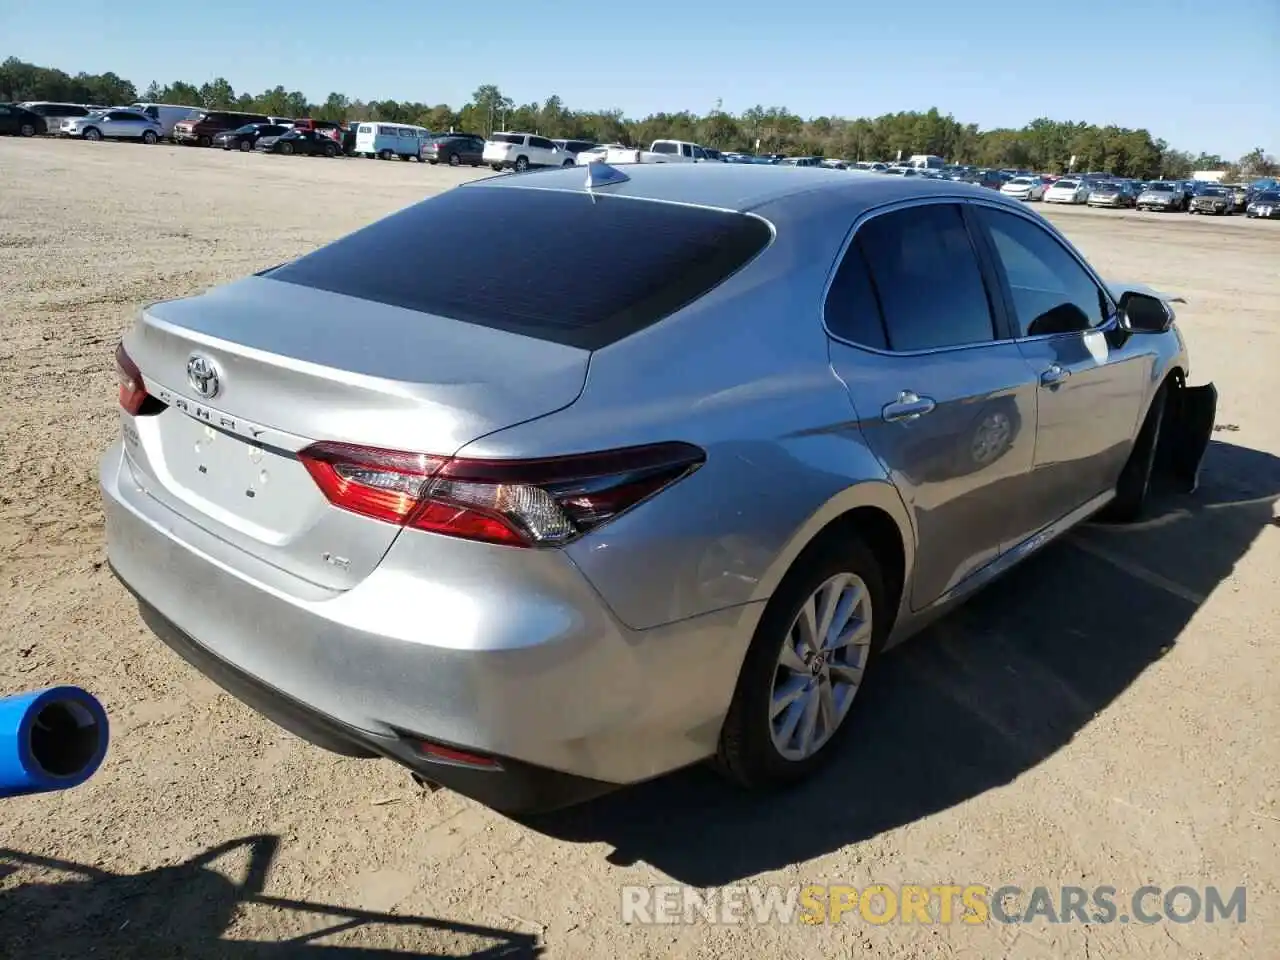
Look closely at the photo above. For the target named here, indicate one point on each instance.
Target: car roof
(738, 187)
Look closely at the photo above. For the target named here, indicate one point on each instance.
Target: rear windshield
(603, 268)
(516, 138)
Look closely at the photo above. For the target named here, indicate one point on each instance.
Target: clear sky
(1201, 75)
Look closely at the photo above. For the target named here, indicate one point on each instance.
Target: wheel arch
(873, 511)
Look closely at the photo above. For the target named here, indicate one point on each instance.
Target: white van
(166, 114)
(388, 140)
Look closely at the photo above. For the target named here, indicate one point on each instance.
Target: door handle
(1054, 375)
(908, 406)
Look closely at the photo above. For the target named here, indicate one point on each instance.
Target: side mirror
(1140, 313)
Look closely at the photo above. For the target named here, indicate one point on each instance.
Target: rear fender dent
(877, 494)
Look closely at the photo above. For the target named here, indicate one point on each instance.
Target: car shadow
(977, 699)
(76, 910)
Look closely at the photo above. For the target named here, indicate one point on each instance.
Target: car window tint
(644, 261)
(927, 277)
(1051, 292)
(852, 311)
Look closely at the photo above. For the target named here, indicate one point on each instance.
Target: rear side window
(611, 265)
(665, 146)
(852, 311)
(513, 138)
(927, 278)
(542, 143)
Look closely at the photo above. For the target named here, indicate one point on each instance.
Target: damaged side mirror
(1140, 313)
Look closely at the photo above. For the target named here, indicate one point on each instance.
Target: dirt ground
(1105, 715)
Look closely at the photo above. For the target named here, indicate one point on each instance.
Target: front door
(946, 403)
(1091, 382)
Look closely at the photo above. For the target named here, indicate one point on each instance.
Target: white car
(1067, 190)
(113, 125)
(523, 151)
(598, 152)
(1024, 188)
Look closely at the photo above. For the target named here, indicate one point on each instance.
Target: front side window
(926, 276)
(1052, 293)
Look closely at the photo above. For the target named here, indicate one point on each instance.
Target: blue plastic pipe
(51, 739)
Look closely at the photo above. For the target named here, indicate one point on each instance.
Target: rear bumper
(504, 652)
(515, 788)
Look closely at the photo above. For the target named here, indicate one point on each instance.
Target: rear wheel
(567, 163)
(804, 668)
(385, 154)
(285, 148)
(522, 164)
(245, 146)
(330, 150)
(496, 166)
(455, 160)
(148, 137)
(92, 133)
(27, 130)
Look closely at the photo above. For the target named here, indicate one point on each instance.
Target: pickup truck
(662, 151)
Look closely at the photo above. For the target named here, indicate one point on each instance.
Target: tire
(496, 166)
(522, 164)
(455, 160)
(568, 163)
(205, 141)
(330, 150)
(385, 155)
(92, 133)
(27, 130)
(1134, 485)
(148, 137)
(285, 148)
(246, 146)
(748, 752)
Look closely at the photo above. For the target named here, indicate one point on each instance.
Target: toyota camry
(540, 520)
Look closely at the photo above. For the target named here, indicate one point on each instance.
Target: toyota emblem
(202, 374)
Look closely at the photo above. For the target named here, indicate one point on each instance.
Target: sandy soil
(1106, 715)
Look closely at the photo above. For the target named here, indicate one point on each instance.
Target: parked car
(53, 113)
(113, 125)
(420, 530)
(199, 130)
(454, 149)
(523, 151)
(574, 148)
(1212, 199)
(328, 128)
(991, 179)
(168, 115)
(310, 143)
(1112, 193)
(389, 141)
(18, 121)
(1161, 195)
(1264, 205)
(1239, 196)
(600, 151)
(1024, 188)
(666, 151)
(1067, 190)
(244, 138)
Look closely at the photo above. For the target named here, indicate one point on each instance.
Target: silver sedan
(113, 125)
(547, 519)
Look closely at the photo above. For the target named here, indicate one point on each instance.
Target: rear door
(1091, 383)
(943, 397)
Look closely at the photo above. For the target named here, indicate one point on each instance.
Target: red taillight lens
(525, 503)
(133, 392)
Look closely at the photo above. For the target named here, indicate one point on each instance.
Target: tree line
(1043, 144)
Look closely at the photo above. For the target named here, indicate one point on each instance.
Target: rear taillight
(525, 503)
(133, 391)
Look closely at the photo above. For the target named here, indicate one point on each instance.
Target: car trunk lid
(283, 366)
